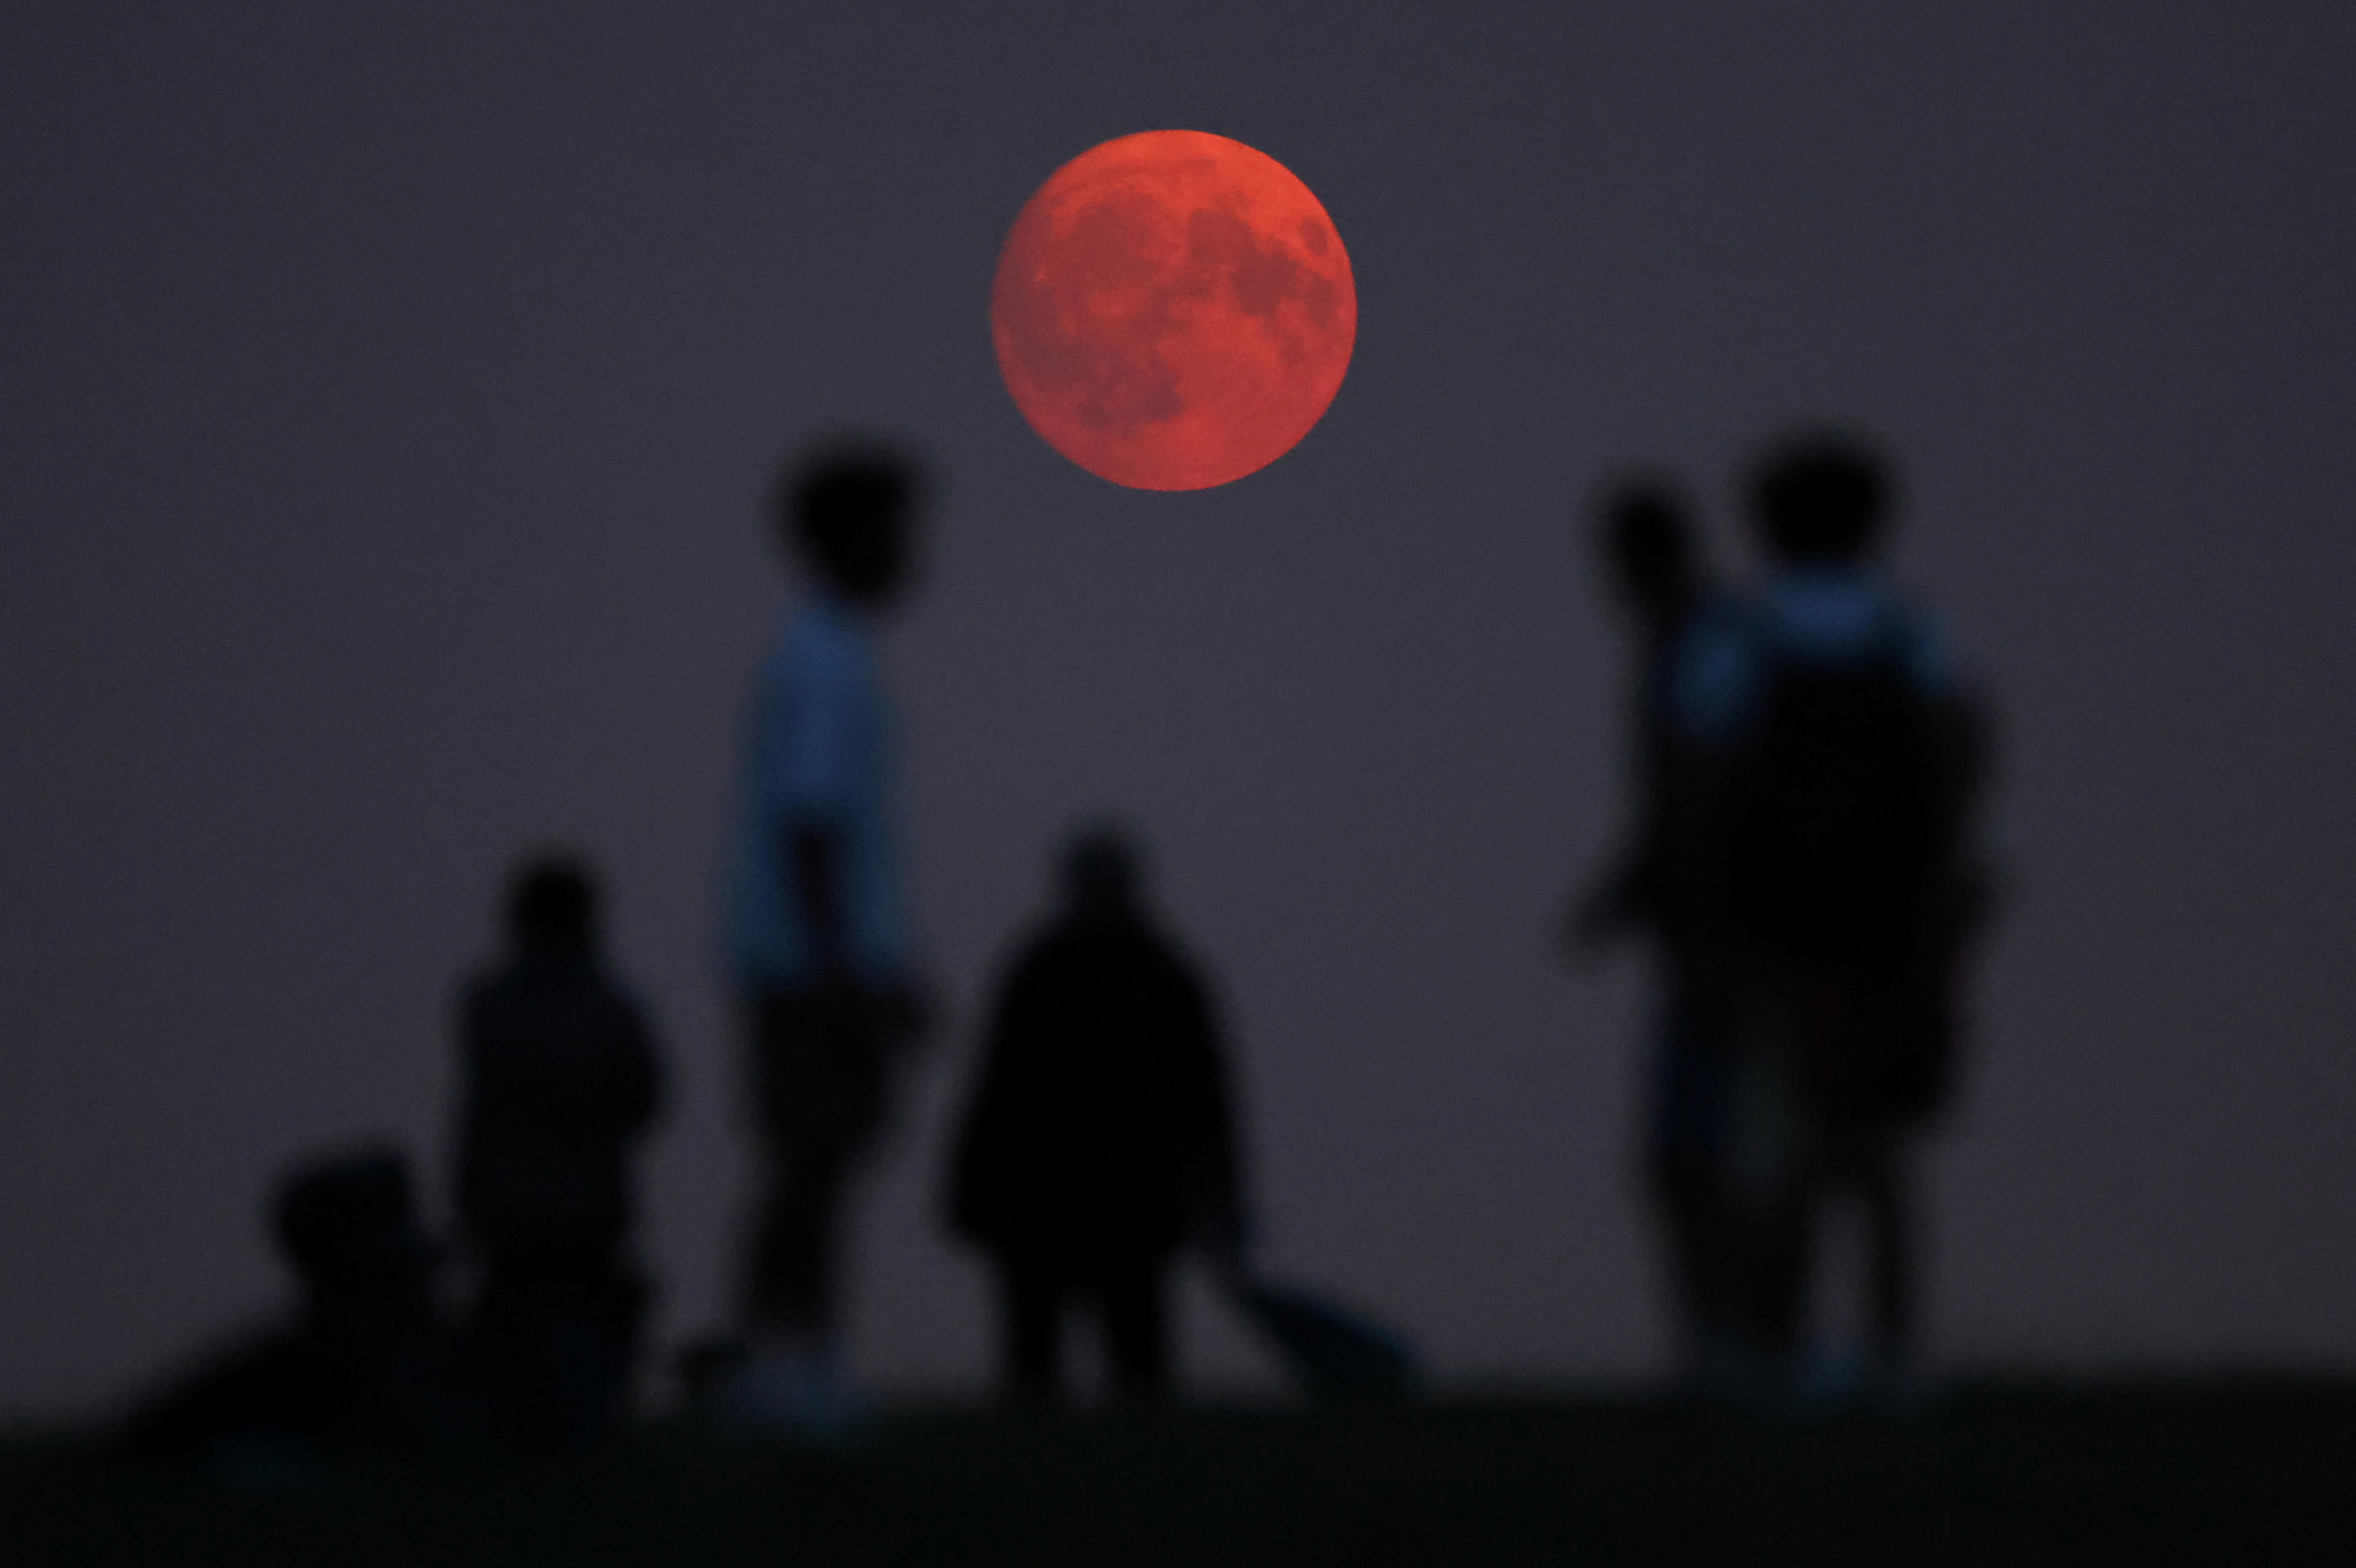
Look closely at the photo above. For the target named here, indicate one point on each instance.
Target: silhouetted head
(1103, 870)
(552, 905)
(1822, 496)
(849, 511)
(349, 1222)
(1645, 532)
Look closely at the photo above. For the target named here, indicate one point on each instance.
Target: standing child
(559, 1084)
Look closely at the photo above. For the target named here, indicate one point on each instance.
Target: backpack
(1839, 825)
(1841, 877)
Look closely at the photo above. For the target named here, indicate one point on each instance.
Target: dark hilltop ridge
(2219, 1469)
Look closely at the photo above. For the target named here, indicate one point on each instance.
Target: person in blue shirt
(1829, 756)
(817, 933)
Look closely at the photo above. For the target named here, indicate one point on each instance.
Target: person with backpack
(1829, 758)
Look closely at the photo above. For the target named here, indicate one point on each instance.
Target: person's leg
(1131, 1294)
(1683, 1173)
(775, 1241)
(529, 1351)
(1884, 1187)
(1031, 1300)
(1782, 1262)
(589, 1308)
(791, 1293)
(1769, 1179)
(615, 1299)
(818, 1076)
(1681, 1196)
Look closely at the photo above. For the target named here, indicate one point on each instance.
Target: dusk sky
(387, 397)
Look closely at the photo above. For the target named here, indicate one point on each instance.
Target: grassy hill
(2225, 1471)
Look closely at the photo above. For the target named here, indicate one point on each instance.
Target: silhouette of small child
(559, 1083)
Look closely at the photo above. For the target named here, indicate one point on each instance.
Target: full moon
(1173, 310)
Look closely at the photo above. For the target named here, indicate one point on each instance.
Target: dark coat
(560, 1081)
(1100, 1120)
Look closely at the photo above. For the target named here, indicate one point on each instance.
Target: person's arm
(894, 1006)
(1624, 891)
(1715, 685)
(811, 762)
(1611, 902)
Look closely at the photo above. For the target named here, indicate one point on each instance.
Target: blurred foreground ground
(2221, 1471)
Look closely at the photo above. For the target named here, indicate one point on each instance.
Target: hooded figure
(1099, 1137)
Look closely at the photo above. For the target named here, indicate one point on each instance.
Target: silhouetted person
(559, 1084)
(1822, 839)
(1098, 1138)
(363, 1368)
(1650, 563)
(818, 937)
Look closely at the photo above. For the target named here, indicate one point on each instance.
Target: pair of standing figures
(1098, 1138)
(1806, 866)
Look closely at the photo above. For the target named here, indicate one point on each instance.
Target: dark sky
(387, 392)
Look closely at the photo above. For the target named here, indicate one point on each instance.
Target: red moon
(1173, 310)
